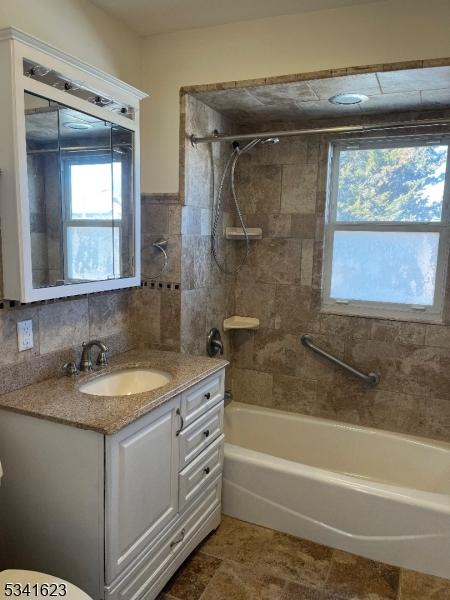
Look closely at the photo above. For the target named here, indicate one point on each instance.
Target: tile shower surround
(281, 286)
(282, 189)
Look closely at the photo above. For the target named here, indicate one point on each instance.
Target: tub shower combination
(381, 495)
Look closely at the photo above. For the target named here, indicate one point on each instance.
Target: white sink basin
(127, 382)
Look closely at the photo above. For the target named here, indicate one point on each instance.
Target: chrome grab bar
(370, 379)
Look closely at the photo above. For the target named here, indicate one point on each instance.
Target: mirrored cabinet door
(80, 172)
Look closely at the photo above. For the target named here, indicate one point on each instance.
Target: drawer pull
(206, 433)
(178, 412)
(208, 395)
(206, 470)
(179, 540)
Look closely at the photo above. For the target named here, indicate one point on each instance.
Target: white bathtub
(381, 495)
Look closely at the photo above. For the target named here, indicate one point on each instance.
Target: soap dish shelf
(237, 233)
(237, 322)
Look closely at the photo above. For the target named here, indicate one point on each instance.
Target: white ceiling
(148, 17)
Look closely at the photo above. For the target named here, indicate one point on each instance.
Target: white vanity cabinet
(141, 484)
(116, 514)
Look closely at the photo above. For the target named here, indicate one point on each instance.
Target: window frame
(78, 158)
(378, 309)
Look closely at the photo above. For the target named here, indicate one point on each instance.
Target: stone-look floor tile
(416, 586)
(295, 591)
(234, 581)
(252, 387)
(191, 579)
(356, 578)
(296, 559)
(238, 541)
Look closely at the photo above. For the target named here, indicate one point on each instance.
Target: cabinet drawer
(202, 396)
(195, 438)
(151, 566)
(198, 474)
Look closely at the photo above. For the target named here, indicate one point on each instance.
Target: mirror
(80, 195)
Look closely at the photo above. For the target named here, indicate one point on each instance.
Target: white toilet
(41, 581)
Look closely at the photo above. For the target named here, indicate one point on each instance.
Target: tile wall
(282, 189)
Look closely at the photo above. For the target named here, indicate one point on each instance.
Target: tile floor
(241, 561)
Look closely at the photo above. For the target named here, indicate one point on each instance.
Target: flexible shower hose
(232, 161)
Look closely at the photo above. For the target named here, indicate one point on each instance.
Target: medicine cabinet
(69, 184)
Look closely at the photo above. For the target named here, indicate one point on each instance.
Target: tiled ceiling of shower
(393, 91)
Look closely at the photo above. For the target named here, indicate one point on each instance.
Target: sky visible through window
(93, 251)
(94, 193)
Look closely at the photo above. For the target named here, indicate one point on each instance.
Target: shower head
(272, 140)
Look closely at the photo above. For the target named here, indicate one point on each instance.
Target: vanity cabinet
(69, 185)
(141, 484)
(114, 514)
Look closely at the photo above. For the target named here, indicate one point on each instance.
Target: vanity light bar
(60, 82)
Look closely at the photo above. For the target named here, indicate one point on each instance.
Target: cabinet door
(141, 485)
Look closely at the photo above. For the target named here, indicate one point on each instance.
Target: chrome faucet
(86, 362)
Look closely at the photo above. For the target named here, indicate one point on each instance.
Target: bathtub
(381, 495)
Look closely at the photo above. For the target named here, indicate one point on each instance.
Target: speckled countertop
(60, 400)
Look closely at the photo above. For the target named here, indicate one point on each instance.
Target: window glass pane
(385, 266)
(91, 186)
(93, 253)
(391, 184)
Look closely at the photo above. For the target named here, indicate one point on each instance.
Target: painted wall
(389, 31)
(80, 28)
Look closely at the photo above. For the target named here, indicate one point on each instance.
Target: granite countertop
(60, 400)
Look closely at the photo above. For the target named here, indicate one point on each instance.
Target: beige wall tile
(298, 191)
(252, 387)
(259, 188)
(63, 325)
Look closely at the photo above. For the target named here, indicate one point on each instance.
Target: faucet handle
(70, 369)
(102, 360)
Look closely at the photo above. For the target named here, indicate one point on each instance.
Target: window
(387, 228)
(93, 218)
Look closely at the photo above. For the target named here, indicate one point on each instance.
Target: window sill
(355, 311)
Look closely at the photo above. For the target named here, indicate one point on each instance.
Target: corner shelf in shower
(237, 233)
(237, 322)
